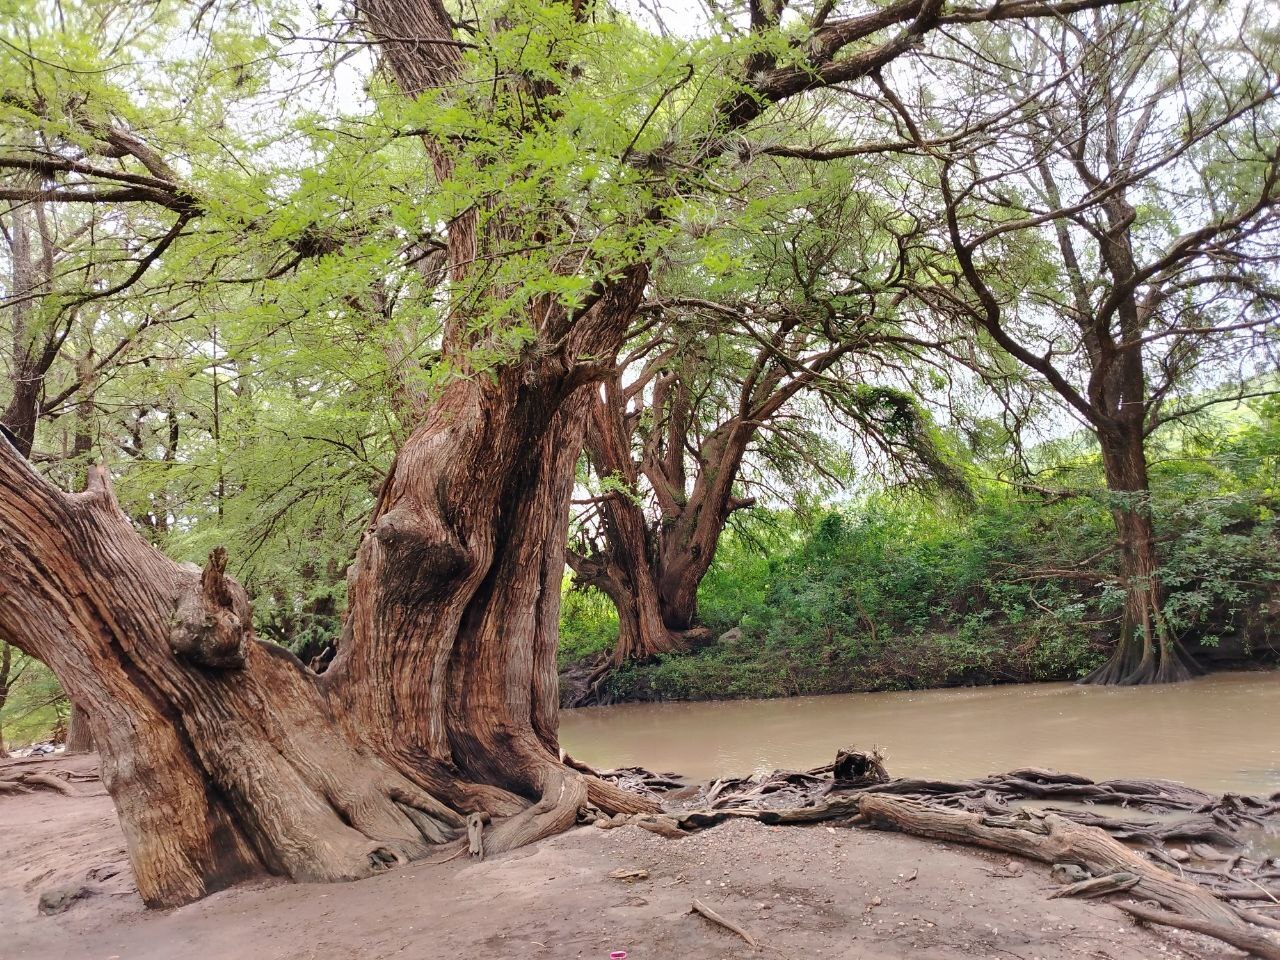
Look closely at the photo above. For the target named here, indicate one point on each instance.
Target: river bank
(739, 666)
(803, 891)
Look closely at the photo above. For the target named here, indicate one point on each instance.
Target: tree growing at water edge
(1110, 202)
(754, 378)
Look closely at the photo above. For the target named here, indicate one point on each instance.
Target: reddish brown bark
(1147, 651)
(225, 756)
(652, 568)
(79, 738)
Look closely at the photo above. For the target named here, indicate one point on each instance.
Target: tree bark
(627, 580)
(652, 572)
(6, 671)
(1050, 838)
(1147, 651)
(79, 737)
(34, 350)
(623, 571)
(225, 756)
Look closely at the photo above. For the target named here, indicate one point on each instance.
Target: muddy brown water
(1219, 733)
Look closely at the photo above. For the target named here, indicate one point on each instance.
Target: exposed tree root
(564, 796)
(1193, 866)
(1099, 886)
(625, 790)
(1244, 939)
(1048, 838)
(58, 781)
(388, 821)
(1132, 665)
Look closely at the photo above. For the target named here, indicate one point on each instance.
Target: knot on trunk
(210, 624)
(424, 551)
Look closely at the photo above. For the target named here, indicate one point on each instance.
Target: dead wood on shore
(1160, 850)
(1156, 841)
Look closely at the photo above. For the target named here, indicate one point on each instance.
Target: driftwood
(635, 779)
(1119, 832)
(1244, 939)
(702, 908)
(1099, 886)
(1050, 838)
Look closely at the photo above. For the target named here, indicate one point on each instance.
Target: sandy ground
(802, 891)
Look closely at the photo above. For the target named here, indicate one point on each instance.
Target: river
(1219, 733)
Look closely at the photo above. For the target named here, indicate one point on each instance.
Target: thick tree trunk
(1147, 651)
(629, 583)
(219, 751)
(6, 671)
(652, 574)
(623, 572)
(19, 416)
(79, 737)
(653, 580)
(225, 756)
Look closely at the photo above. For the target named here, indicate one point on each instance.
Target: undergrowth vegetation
(896, 590)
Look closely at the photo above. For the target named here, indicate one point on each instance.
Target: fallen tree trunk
(1048, 838)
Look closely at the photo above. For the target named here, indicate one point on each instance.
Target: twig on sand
(702, 908)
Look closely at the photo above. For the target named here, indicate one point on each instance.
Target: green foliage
(588, 624)
(238, 346)
(35, 704)
(901, 591)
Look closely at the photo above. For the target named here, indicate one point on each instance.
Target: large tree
(1109, 195)
(557, 178)
(765, 372)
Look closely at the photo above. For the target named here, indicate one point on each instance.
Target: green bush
(588, 624)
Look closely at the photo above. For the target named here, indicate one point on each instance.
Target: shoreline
(814, 891)
(568, 672)
(1189, 733)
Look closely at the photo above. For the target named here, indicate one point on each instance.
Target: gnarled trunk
(652, 573)
(1147, 651)
(226, 756)
(652, 577)
(626, 579)
(79, 737)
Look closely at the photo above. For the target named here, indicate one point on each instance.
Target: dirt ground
(803, 892)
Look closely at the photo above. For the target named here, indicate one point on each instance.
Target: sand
(803, 892)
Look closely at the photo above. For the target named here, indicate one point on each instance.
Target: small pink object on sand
(618, 955)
